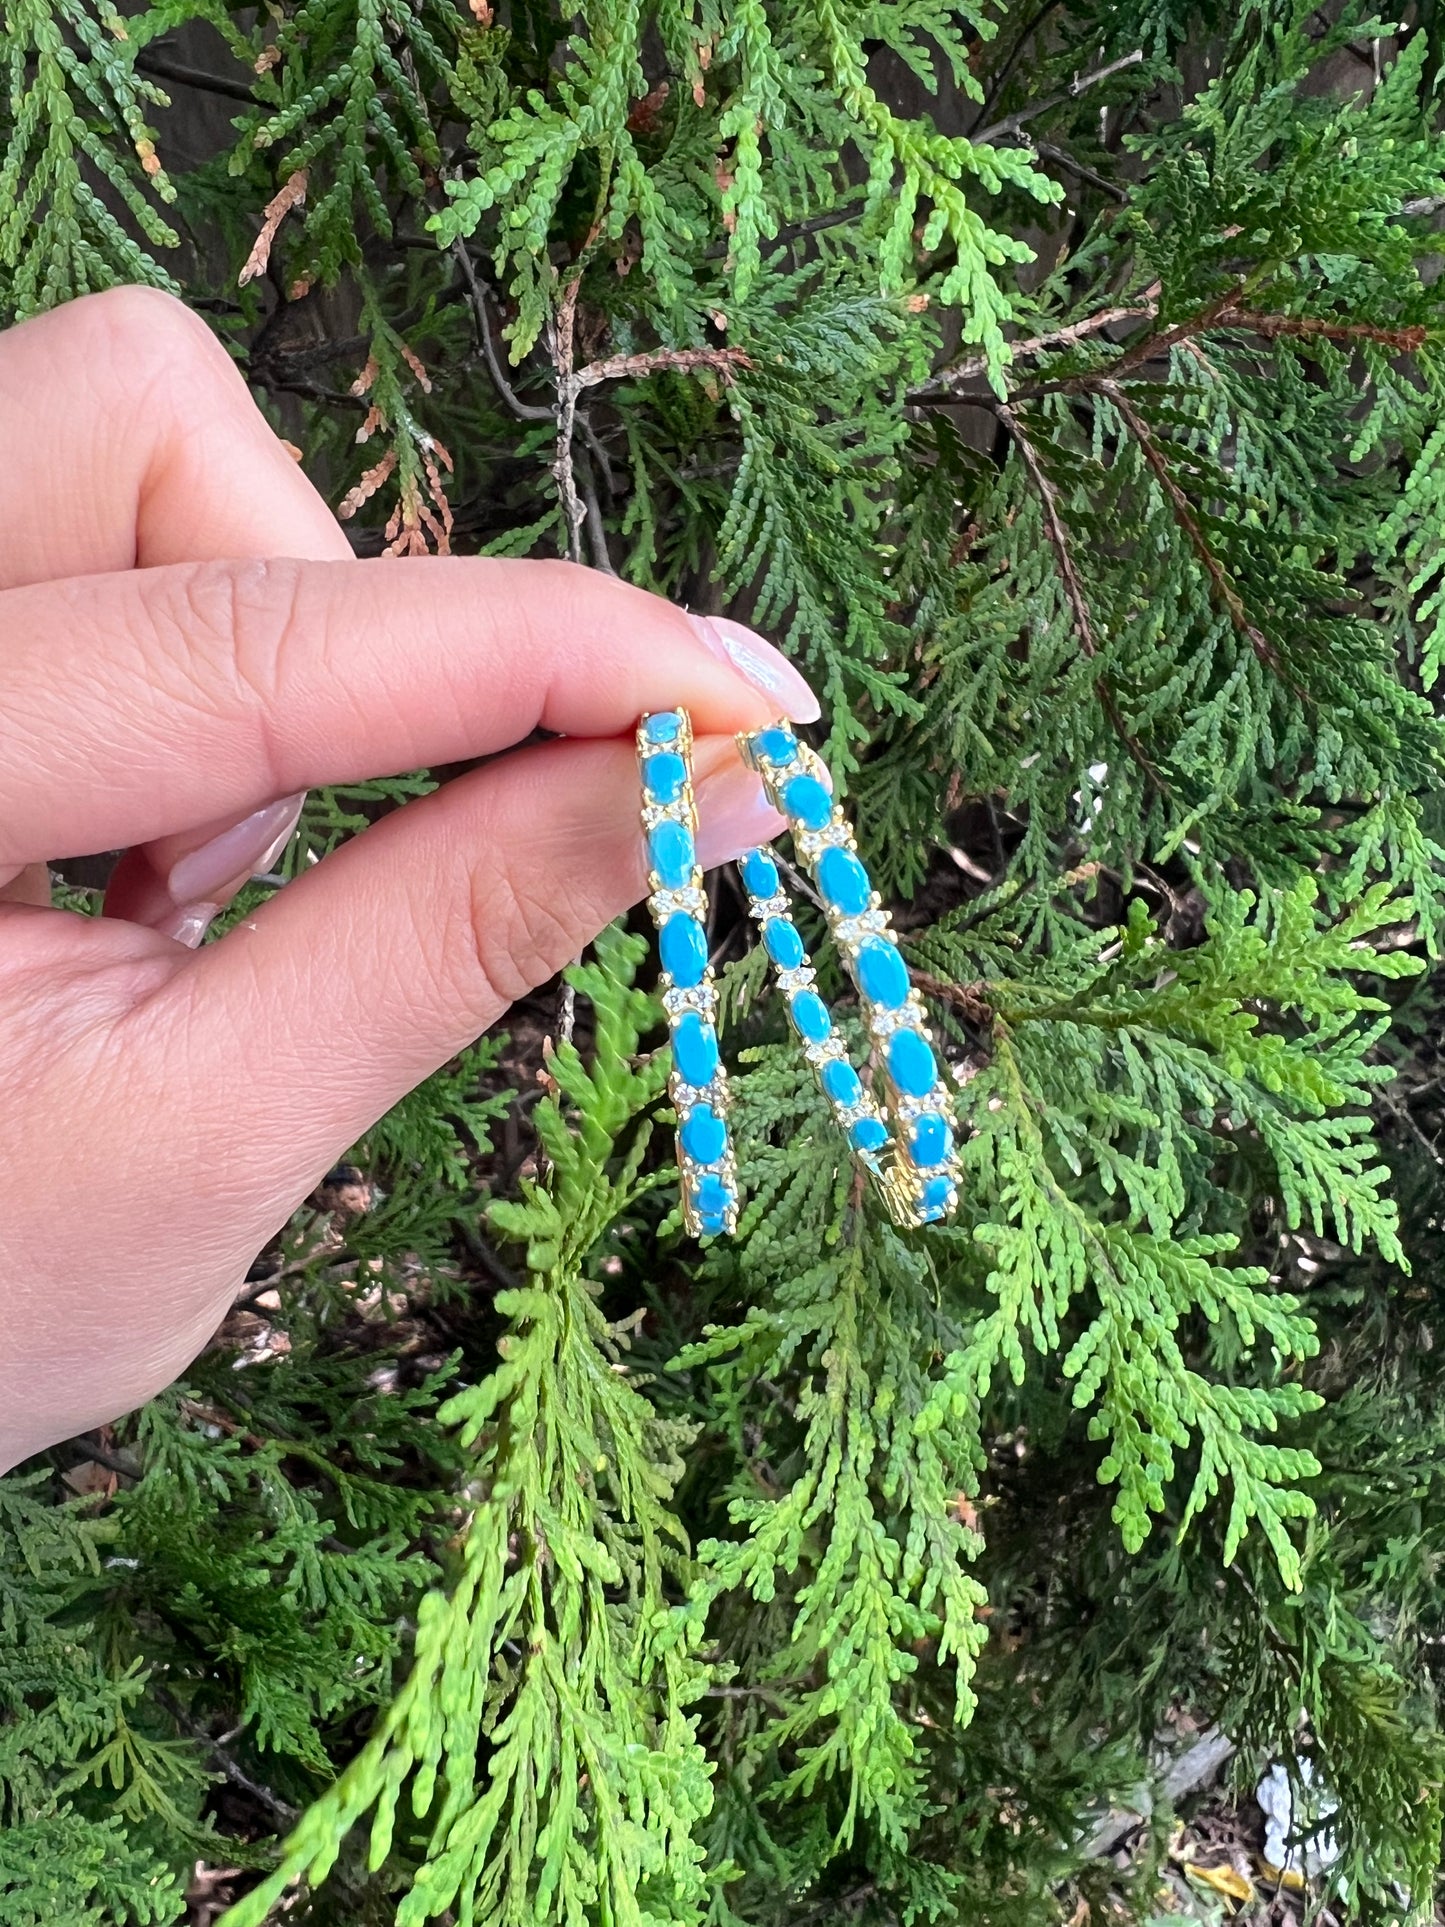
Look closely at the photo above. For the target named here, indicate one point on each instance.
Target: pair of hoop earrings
(906, 1145)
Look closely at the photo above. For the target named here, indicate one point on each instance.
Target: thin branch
(1183, 510)
(1405, 341)
(1074, 589)
(1218, 316)
(1062, 158)
(481, 295)
(560, 340)
(1005, 71)
(722, 361)
(1054, 528)
(1001, 129)
(1144, 309)
(279, 1809)
(596, 526)
(159, 68)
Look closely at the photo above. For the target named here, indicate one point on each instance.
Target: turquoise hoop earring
(919, 1181)
(854, 1111)
(678, 903)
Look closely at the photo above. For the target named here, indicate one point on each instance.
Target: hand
(186, 645)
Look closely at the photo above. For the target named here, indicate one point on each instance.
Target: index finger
(149, 700)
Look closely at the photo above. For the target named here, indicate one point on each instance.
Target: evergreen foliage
(1063, 387)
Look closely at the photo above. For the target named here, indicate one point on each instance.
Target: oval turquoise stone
(711, 1196)
(673, 857)
(807, 802)
(932, 1140)
(694, 1050)
(868, 1134)
(665, 775)
(882, 973)
(936, 1199)
(782, 943)
(703, 1136)
(810, 1014)
(777, 745)
(911, 1063)
(711, 1223)
(663, 727)
(844, 882)
(682, 945)
(760, 874)
(841, 1082)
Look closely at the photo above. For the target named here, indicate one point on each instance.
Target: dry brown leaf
(267, 59)
(291, 194)
(91, 1480)
(367, 376)
(965, 1511)
(645, 113)
(370, 482)
(414, 362)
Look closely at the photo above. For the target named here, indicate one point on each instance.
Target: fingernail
(189, 924)
(246, 849)
(733, 815)
(762, 665)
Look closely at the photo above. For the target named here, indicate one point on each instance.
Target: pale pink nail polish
(759, 663)
(733, 815)
(189, 924)
(246, 849)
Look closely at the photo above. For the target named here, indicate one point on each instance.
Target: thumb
(308, 1021)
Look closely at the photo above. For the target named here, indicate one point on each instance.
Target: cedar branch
(1183, 511)
(1073, 587)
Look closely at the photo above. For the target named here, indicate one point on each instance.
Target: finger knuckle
(515, 936)
(228, 631)
(149, 331)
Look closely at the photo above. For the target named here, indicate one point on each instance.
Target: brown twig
(561, 336)
(1405, 341)
(1001, 129)
(1219, 315)
(1183, 510)
(722, 361)
(279, 1809)
(581, 507)
(480, 297)
(1145, 308)
(1073, 588)
(1053, 527)
(1062, 158)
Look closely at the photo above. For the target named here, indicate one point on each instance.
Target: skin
(184, 639)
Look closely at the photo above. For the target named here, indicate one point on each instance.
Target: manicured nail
(762, 665)
(733, 815)
(247, 849)
(189, 924)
